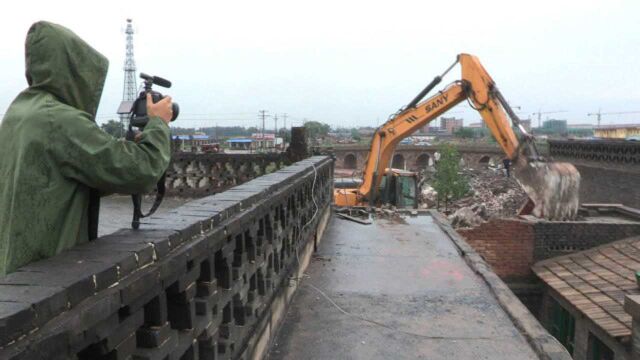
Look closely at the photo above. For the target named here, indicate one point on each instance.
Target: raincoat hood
(61, 63)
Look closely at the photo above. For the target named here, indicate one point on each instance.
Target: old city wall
(413, 157)
(610, 169)
(210, 280)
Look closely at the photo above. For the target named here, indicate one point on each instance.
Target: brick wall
(561, 238)
(506, 244)
(511, 246)
(609, 186)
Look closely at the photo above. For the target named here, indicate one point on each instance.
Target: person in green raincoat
(53, 155)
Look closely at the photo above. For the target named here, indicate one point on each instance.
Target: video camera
(138, 114)
(138, 118)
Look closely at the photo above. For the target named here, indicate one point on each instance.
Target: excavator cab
(399, 188)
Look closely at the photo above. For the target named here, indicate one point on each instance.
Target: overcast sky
(349, 63)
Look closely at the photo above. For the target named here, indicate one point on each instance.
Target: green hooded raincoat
(52, 152)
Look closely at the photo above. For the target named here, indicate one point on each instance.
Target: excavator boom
(553, 187)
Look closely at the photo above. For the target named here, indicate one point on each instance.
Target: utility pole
(275, 135)
(263, 115)
(275, 119)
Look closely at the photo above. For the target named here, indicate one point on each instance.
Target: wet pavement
(116, 211)
(394, 290)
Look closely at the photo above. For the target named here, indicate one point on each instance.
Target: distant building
(264, 141)
(581, 126)
(479, 129)
(366, 131)
(554, 127)
(526, 124)
(421, 140)
(268, 141)
(621, 131)
(257, 142)
(580, 130)
(429, 129)
(190, 143)
(240, 144)
(450, 124)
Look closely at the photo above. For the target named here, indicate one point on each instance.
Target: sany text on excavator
(552, 186)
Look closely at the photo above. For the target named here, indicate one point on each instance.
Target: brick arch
(350, 161)
(423, 161)
(484, 160)
(398, 162)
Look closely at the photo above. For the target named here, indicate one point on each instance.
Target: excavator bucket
(553, 187)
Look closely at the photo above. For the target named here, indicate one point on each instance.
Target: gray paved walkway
(394, 290)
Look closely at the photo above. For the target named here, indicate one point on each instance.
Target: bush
(449, 183)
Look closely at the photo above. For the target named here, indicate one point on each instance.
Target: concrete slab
(396, 289)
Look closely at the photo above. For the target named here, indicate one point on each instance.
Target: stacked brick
(194, 284)
(506, 244)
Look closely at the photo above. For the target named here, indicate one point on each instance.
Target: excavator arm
(479, 89)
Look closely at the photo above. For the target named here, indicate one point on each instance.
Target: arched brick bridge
(413, 157)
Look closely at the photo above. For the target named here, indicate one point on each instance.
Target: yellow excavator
(551, 186)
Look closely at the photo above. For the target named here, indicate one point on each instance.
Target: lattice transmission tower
(130, 87)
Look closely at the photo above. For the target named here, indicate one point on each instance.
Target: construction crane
(600, 113)
(540, 113)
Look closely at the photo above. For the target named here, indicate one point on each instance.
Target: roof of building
(240, 140)
(266, 136)
(595, 281)
(190, 137)
(617, 126)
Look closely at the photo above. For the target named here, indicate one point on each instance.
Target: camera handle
(137, 203)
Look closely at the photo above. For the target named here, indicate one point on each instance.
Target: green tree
(465, 133)
(113, 127)
(316, 129)
(285, 134)
(449, 183)
(355, 134)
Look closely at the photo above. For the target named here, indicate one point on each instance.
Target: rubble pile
(492, 194)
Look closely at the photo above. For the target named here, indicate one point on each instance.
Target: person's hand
(161, 109)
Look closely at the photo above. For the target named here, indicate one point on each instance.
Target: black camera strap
(94, 213)
(137, 203)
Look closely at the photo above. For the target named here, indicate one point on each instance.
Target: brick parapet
(194, 284)
(203, 174)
